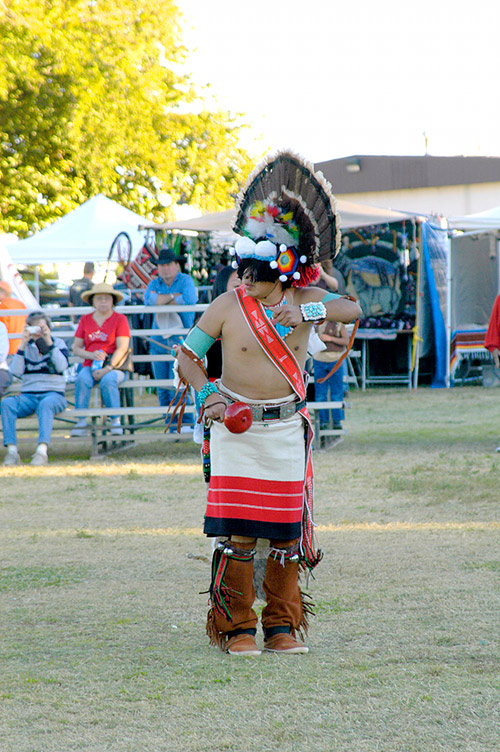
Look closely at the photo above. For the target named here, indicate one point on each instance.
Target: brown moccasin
(282, 642)
(242, 644)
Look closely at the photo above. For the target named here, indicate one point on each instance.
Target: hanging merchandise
(139, 273)
(375, 264)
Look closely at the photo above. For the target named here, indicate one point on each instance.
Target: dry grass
(101, 628)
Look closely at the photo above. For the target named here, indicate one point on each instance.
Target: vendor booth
(474, 285)
(379, 266)
(378, 263)
(208, 238)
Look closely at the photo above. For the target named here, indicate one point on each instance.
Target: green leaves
(92, 101)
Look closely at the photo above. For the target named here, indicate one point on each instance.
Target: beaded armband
(205, 391)
(313, 312)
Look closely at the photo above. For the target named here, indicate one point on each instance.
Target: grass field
(102, 566)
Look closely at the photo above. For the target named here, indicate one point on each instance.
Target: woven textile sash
(284, 360)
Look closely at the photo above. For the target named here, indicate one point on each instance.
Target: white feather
(270, 230)
(244, 246)
(265, 249)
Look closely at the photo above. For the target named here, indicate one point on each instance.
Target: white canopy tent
(473, 282)
(475, 268)
(351, 215)
(84, 234)
(485, 220)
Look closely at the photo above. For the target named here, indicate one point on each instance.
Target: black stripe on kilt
(215, 526)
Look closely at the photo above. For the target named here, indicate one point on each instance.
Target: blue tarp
(435, 249)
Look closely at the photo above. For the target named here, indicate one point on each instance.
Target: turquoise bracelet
(205, 391)
(313, 311)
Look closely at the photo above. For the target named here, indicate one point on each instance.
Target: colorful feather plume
(286, 202)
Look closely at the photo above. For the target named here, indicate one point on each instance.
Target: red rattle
(238, 417)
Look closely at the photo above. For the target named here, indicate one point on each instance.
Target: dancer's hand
(215, 407)
(288, 315)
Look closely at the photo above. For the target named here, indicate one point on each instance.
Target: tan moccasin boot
(243, 645)
(283, 642)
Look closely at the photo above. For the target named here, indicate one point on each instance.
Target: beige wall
(449, 201)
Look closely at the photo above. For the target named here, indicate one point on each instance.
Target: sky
(331, 79)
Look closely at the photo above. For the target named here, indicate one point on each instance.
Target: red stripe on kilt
(260, 485)
(243, 512)
(251, 499)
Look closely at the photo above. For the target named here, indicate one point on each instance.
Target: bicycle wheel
(121, 250)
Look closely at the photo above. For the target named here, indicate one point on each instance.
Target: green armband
(199, 342)
(330, 296)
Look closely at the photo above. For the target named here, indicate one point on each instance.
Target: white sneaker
(80, 429)
(39, 458)
(116, 427)
(12, 458)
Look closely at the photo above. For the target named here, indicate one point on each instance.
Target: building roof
(363, 174)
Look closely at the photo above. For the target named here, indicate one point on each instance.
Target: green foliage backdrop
(92, 100)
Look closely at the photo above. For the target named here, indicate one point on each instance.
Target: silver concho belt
(261, 413)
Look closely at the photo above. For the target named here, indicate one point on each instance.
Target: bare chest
(239, 341)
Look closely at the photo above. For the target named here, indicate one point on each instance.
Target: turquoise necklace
(283, 331)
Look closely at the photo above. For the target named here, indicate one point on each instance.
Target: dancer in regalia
(261, 480)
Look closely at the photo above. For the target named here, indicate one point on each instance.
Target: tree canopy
(93, 100)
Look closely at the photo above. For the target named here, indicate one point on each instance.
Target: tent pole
(444, 225)
(416, 329)
(37, 284)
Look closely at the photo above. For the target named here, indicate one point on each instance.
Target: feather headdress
(287, 215)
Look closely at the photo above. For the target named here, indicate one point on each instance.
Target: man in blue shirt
(171, 287)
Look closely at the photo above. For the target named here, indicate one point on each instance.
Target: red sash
(282, 357)
(270, 341)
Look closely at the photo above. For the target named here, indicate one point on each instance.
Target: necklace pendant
(283, 331)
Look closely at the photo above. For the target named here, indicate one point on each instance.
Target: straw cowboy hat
(102, 289)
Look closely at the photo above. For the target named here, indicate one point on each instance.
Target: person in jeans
(170, 287)
(40, 363)
(334, 335)
(101, 335)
